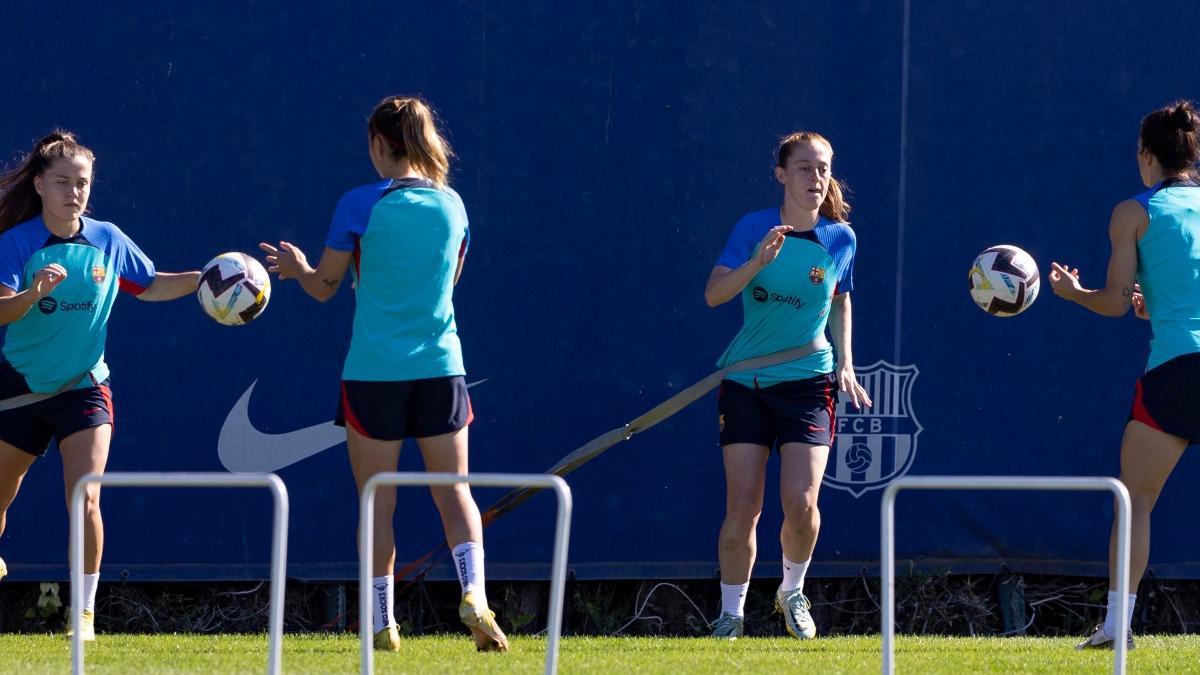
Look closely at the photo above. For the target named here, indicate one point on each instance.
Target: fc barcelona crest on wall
(876, 445)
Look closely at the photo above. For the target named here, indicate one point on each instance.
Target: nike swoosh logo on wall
(242, 448)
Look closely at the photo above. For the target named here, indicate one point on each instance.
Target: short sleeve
(741, 244)
(845, 282)
(462, 211)
(134, 269)
(466, 242)
(12, 262)
(350, 219)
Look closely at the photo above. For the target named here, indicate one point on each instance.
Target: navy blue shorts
(30, 428)
(1164, 398)
(801, 411)
(393, 411)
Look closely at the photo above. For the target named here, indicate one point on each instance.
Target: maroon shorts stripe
(832, 407)
(351, 418)
(1139, 409)
(108, 403)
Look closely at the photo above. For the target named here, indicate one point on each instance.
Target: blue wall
(604, 153)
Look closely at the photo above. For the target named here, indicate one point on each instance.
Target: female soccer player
(59, 275)
(1153, 237)
(403, 377)
(793, 268)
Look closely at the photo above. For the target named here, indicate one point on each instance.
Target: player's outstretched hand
(287, 261)
(45, 279)
(768, 249)
(1139, 303)
(848, 383)
(1064, 281)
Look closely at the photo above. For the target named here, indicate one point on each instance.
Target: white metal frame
(1065, 483)
(185, 479)
(558, 572)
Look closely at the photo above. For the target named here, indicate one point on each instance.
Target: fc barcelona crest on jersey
(98, 273)
(876, 445)
(817, 275)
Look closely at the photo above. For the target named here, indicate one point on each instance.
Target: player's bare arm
(725, 283)
(170, 285)
(14, 305)
(321, 282)
(840, 329)
(1129, 221)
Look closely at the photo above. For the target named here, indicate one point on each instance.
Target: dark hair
(1170, 134)
(835, 207)
(19, 201)
(409, 127)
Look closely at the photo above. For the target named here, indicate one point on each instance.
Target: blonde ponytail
(409, 127)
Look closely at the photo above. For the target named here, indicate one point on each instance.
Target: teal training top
(63, 335)
(407, 236)
(1169, 269)
(787, 303)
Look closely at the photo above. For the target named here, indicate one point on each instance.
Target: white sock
(90, 582)
(468, 562)
(381, 602)
(1110, 618)
(733, 599)
(793, 574)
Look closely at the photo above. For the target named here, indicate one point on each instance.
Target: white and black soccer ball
(1004, 280)
(234, 289)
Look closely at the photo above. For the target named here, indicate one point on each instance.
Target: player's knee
(736, 532)
(385, 508)
(799, 503)
(1142, 502)
(91, 500)
(1142, 496)
(451, 496)
(743, 513)
(801, 507)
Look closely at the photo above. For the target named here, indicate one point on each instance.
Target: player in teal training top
(405, 239)
(793, 269)
(1155, 268)
(59, 276)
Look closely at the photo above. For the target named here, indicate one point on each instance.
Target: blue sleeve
(12, 262)
(1143, 198)
(466, 243)
(350, 219)
(845, 282)
(135, 270)
(741, 244)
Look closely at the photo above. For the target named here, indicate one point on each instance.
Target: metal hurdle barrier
(185, 479)
(558, 570)
(1065, 483)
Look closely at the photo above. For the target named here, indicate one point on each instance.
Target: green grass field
(444, 654)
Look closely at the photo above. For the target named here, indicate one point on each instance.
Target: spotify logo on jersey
(49, 305)
(759, 293)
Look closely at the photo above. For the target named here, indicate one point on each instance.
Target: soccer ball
(234, 289)
(1004, 280)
